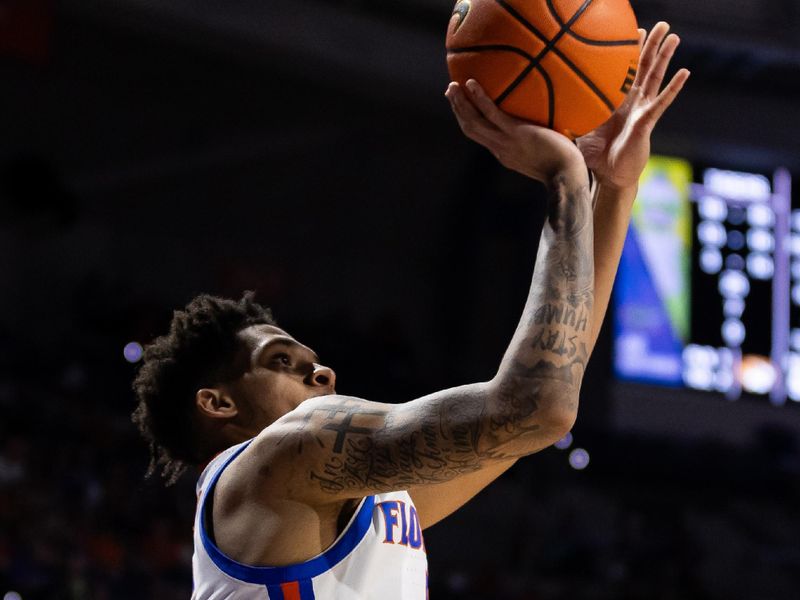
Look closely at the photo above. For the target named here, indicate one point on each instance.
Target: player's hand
(618, 150)
(537, 152)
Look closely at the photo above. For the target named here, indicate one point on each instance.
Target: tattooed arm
(617, 152)
(350, 447)
(337, 448)
(304, 472)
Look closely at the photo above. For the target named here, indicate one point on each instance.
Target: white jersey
(380, 555)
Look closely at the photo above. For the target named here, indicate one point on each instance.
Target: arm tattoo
(404, 447)
(553, 337)
(455, 432)
(425, 442)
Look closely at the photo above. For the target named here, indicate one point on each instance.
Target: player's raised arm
(617, 153)
(333, 448)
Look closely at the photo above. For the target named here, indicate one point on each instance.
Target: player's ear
(214, 403)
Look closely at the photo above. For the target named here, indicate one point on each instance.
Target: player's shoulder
(217, 464)
(283, 442)
(296, 449)
(272, 446)
(307, 417)
(328, 404)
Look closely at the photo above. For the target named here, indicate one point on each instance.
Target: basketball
(563, 64)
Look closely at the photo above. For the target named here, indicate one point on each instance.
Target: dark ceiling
(744, 56)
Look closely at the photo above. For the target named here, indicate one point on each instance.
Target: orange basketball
(564, 64)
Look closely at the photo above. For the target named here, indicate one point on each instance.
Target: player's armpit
(336, 447)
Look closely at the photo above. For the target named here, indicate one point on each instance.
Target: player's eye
(283, 359)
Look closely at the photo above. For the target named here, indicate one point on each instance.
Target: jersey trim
(271, 576)
(296, 590)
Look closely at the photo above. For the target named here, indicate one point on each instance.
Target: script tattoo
(562, 292)
(576, 317)
(457, 431)
(556, 341)
(404, 447)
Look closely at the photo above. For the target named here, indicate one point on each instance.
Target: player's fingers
(652, 83)
(638, 79)
(487, 107)
(642, 38)
(469, 118)
(668, 95)
(472, 122)
(650, 48)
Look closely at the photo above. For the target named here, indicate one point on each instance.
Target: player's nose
(322, 376)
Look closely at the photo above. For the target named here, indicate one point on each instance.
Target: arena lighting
(133, 352)
(708, 293)
(579, 459)
(796, 295)
(710, 260)
(712, 208)
(793, 382)
(746, 187)
(733, 284)
(733, 307)
(758, 375)
(760, 215)
(564, 442)
(760, 266)
(733, 332)
(794, 244)
(712, 233)
(794, 340)
(760, 240)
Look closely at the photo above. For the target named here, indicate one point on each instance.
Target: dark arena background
(153, 150)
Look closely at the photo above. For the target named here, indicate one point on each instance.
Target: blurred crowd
(647, 519)
(77, 518)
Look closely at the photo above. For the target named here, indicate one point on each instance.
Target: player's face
(282, 374)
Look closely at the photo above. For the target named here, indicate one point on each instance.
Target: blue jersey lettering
(404, 524)
(415, 531)
(390, 519)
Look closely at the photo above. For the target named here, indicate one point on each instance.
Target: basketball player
(310, 494)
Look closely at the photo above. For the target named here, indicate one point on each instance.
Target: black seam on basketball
(589, 42)
(513, 85)
(577, 14)
(550, 45)
(498, 48)
(513, 12)
(551, 48)
(551, 7)
(600, 95)
(490, 48)
(585, 40)
(551, 96)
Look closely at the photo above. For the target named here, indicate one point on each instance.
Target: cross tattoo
(345, 426)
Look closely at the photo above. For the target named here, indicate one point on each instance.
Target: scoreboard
(708, 292)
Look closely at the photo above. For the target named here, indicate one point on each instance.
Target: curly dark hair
(198, 352)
